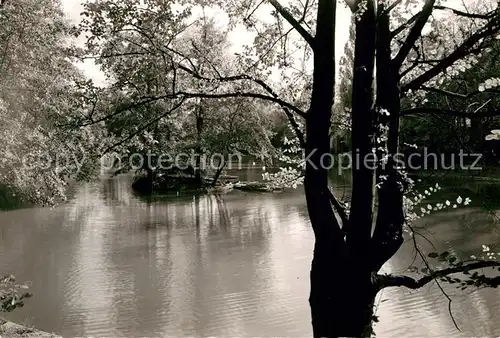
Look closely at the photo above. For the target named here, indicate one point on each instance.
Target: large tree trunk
(341, 296)
(329, 248)
(342, 291)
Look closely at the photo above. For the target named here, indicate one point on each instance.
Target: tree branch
(185, 95)
(274, 96)
(265, 86)
(487, 16)
(464, 49)
(295, 126)
(194, 72)
(392, 6)
(116, 113)
(411, 283)
(144, 127)
(295, 24)
(404, 26)
(458, 95)
(253, 11)
(304, 13)
(414, 33)
(340, 210)
(455, 113)
(112, 55)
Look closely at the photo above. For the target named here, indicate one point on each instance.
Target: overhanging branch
(286, 107)
(487, 16)
(232, 95)
(412, 283)
(274, 96)
(182, 95)
(455, 113)
(143, 101)
(491, 28)
(458, 95)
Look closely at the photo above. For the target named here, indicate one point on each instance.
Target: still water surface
(110, 264)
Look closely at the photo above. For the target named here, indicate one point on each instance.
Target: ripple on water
(112, 265)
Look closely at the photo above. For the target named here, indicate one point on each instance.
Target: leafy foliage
(12, 295)
(151, 81)
(38, 84)
(463, 112)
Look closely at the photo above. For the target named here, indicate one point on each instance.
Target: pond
(110, 264)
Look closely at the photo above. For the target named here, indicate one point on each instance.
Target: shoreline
(10, 329)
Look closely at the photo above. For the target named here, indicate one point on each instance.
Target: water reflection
(110, 264)
(425, 312)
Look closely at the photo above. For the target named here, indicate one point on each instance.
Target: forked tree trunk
(328, 297)
(342, 293)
